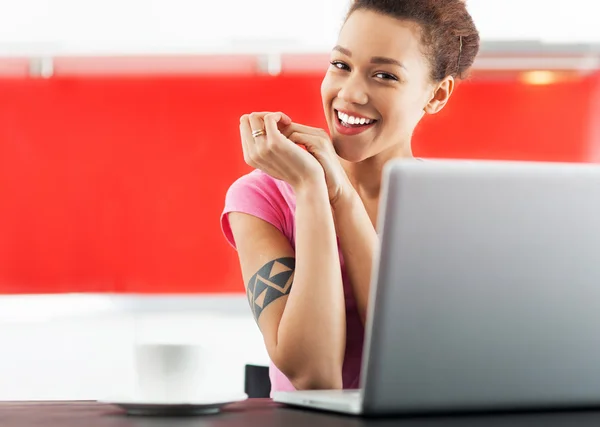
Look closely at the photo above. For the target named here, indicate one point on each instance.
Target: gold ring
(259, 132)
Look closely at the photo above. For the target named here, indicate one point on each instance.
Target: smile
(347, 124)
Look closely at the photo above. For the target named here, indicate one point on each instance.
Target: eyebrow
(384, 60)
(343, 50)
(374, 60)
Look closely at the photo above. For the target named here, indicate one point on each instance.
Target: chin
(350, 152)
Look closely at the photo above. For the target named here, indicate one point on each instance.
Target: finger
(284, 120)
(246, 132)
(297, 127)
(311, 143)
(248, 144)
(271, 122)
(261, 114)
(256, 124)
(271, 125)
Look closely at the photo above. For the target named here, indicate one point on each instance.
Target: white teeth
(345, 118)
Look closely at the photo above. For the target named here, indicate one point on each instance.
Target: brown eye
(340, 65)
(387, 76)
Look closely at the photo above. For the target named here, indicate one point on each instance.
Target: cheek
(403, 116)
(328, 90)
(399, 112)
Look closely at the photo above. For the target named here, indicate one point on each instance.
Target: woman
(304, 222)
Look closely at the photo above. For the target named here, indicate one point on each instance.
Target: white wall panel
(92, 27)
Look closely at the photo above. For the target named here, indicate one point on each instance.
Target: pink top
(272, 200)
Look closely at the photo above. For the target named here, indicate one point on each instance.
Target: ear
(441, 95)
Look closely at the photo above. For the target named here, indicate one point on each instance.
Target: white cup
(170, 373)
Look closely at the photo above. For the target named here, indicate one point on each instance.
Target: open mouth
(353, 121)
(349, 125)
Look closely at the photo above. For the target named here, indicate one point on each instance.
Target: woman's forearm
(312, 331)
(359, 242)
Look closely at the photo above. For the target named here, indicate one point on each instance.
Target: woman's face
(378, 86)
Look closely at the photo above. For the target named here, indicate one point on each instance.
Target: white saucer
(205, 406)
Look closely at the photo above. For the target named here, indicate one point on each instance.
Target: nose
(353, 91)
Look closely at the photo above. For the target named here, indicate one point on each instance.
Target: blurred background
(119, 138)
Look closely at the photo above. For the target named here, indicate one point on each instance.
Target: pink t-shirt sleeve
(254, 194)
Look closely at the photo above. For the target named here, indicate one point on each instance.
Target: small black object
(257, 383)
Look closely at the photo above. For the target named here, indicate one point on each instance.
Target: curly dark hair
(450, 39)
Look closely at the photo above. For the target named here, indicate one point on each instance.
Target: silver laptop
(485, 294)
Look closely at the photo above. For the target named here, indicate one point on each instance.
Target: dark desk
(259, 413)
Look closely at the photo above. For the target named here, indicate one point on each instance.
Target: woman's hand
(275, 154)
(318, 143)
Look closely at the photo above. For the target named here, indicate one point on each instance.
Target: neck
(366, 175)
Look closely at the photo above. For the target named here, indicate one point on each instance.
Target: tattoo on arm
(272, 281)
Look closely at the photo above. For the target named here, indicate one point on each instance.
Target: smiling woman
(304, 222)
(394, 62)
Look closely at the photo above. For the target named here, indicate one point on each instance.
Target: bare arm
(300, 314)
(358, 238)
(358, 241)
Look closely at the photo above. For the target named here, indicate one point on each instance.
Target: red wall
(514, 121)
(116, 184)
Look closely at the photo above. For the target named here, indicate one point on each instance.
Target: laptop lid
(486, 293)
